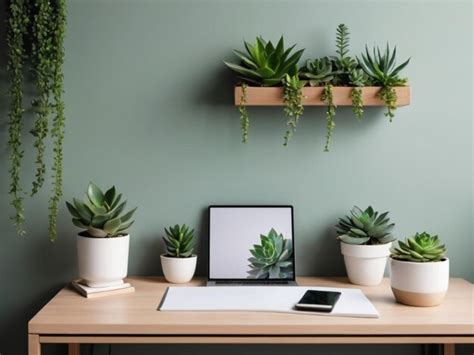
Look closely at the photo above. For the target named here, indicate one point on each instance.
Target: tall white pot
(422, 284)
(365, 264)
(178, 270)
(102, 261)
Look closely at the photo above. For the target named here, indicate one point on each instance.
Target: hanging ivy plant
(36, 30)
(327, 98)
(292, 95)
(244, 115)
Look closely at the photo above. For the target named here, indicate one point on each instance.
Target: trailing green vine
(244, 115)
(292, 95)
(357, 102)
(43, 23)
(59, 119)
(17, 28)
(389, 96)
(327, 98)
(41, 56)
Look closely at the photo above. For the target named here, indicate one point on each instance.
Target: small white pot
(178, 270)
(102, 261)
(365, 264)
(422, 284)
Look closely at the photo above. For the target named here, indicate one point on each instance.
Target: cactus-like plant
(179, 241)
(273, 258)
(422, 247)
(264, 64)
(365, 227)
(99, 214)
(317, 72)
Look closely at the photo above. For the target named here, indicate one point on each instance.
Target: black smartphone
(318, 301)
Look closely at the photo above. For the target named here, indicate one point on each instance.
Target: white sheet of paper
(352, 303)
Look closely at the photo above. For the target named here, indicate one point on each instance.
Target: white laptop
(251, 245)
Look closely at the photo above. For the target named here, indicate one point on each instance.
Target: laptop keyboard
(252, 283)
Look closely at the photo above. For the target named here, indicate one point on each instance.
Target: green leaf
(82, 210)
(72, 210)
(128, 215)
(112, 226)
(95, 194)
(110, 195)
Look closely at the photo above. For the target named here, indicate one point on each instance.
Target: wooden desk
(133, 318)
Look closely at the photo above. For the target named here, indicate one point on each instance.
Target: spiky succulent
(365, 227)
(99, 214)
(317, 72)
(273, 258)
(422, 247)
(382, 67)
(264, 64)
(179, 241)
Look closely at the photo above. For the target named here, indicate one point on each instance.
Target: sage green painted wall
(149, 107)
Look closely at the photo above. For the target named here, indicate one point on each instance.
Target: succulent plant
(99, 214)
(422, 247)
(382, 67)
(357, 77)
(273, 258)
(264, 64)
(317, 72)
(179, 241)
(292, 96)
(365, 227)
(342, 63)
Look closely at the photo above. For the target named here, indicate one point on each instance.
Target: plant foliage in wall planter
(36, 30)
(269, 76)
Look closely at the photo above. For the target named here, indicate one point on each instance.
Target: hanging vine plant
(36, 30)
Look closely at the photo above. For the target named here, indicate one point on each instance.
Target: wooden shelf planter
(273, 96)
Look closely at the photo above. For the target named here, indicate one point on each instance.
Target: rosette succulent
(317, 72)
(273, 258)
(365, 227)
(265, 64)
(100, 214)
(179, 241)
(422, 247)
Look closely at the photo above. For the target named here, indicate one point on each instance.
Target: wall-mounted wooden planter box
(273, 96)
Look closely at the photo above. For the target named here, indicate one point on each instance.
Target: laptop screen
(251, 243)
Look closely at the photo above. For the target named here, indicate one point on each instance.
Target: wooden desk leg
(74, 349)
(34, 345)
(449, 349)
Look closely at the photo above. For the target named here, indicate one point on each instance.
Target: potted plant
(179, 262)
(419, 271)
(102, 246)
(365, 243)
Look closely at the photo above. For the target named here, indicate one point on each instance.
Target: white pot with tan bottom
(178, 270)
(102, 262)
(365, 264)
(421, 284)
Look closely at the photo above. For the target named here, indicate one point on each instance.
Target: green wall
(149, 107)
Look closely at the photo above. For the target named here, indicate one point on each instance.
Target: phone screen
(320, 301)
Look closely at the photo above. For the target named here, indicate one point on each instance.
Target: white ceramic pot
(422, 284)
(365, 264)
(178, 270)
(102, 261)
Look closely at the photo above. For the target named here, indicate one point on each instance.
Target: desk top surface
(136, 314)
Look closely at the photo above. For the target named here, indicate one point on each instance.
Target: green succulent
(317, 72)
(292, 96)
(357, 77)
(342, 63)
(264, 64)
(99, 214)
(365, 227)
(382, 67)
(179, 241)
(273, 258)
(422, 247)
